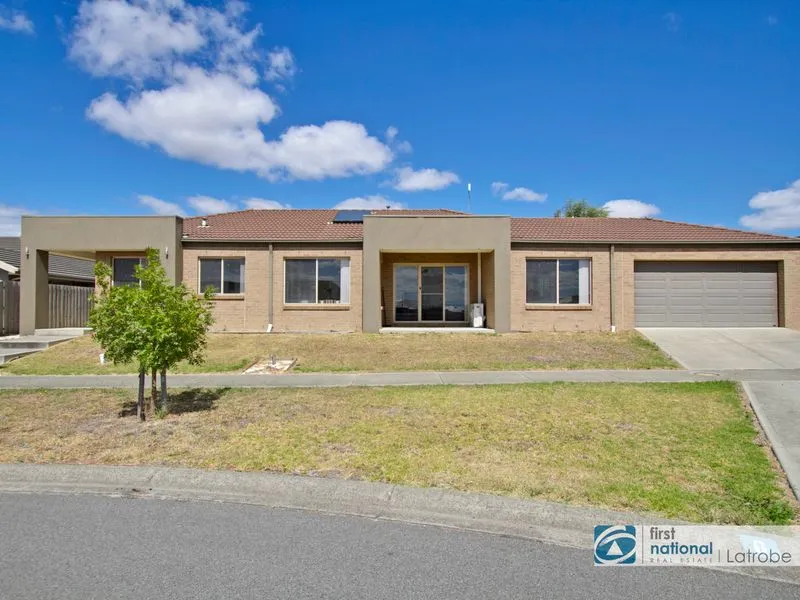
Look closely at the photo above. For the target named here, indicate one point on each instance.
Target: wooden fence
(69, 306)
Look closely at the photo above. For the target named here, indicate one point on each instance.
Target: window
(124, 270)
(563, 281)
(225, 275)
(317, 281)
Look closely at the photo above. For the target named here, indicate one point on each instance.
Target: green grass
(686, 451)
(228, 352)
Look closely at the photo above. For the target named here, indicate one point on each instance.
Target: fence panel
(69, 305)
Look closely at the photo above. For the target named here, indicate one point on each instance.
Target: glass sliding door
(406, 293)
(430, 293)
(455, 293)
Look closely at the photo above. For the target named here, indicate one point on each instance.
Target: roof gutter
(658, 242)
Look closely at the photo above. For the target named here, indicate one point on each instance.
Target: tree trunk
(153, 392)
(140, 397)
(164, 405)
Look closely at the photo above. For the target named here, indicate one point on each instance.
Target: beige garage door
(706, 294)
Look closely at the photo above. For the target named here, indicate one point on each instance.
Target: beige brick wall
(250, 311)
(389, 260)
(341, 318)
(596, 317)
(788, 260)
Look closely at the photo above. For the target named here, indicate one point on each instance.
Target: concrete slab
(777, 406)
(483, 377)
(727, 348)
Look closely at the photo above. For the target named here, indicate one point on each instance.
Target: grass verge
(379, 353)
(686, 451)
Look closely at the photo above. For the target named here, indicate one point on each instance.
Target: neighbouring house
(70, 286)
(329, 270)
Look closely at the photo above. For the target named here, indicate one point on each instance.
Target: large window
(317, 281)
(224, 275)
(562, 281)
(124, 270)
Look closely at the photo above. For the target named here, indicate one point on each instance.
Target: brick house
(342, 271)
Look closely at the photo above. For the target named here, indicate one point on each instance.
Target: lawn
(379, 353)
(686, 451)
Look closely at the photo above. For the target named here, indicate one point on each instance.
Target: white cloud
(161, 207)
(396, 144)
(204, 103)
(370, 203)
(206, 205)
(9, 219)
(775, 209)
(630, 208)
(262, 204)
(522, 194)
(498, 187)
(409, 180)
(281, 65)
(15, 20)
(146, 38)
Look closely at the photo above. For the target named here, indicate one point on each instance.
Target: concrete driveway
(709, 348)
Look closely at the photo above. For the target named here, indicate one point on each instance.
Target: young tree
(580, 208)
(157, 324)
(175, 324)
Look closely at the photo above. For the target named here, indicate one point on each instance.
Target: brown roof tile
(284, 225)
(609, 229)
(317, 225)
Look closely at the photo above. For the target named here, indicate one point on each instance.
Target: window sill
(558, 307)
(316, 307)
(226, 297)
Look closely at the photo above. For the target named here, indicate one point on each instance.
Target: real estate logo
(615, 545)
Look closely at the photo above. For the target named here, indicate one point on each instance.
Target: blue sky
(686, 110)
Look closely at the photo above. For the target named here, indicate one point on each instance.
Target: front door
(430, 293)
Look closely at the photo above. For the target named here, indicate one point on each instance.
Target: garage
(706, 294)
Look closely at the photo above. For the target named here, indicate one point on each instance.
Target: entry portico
(99, 238)
(427, 270)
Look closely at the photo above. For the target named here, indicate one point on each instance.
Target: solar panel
(350, 216)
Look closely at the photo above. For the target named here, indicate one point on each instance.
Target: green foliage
(155, 324)
(580, 208)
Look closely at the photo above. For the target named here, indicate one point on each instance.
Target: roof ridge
(272, 210)
(720, 228)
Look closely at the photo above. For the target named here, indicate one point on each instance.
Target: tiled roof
(285, 225)
(609, 229)
(318, 225)
(60, 267)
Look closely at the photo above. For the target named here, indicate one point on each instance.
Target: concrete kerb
(530, 519)
(778, 449)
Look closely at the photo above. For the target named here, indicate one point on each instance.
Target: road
(83, 546)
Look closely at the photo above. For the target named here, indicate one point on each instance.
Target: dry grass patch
(379, 353)
(681, 450)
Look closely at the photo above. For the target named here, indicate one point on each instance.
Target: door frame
(419, 291)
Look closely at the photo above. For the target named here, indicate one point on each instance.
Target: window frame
(316, 259)
(558, 302)
(114, 258)
(222, 260)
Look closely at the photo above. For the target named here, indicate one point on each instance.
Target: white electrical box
(476, 315)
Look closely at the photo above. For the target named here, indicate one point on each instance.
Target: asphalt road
(81, 546)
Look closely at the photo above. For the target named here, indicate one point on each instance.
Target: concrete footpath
(302, 380)
(550, 522)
